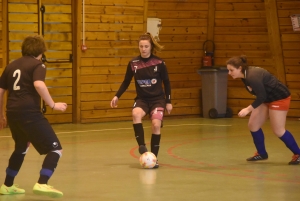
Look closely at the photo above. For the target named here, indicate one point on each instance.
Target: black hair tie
(243, 59)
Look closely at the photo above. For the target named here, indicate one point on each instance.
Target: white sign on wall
(296, 22)
(153, 27)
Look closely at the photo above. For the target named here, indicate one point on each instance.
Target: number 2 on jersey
(18, 74)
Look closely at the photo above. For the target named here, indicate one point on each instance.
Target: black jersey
(18, 78)
(149, 74)
(266, 87)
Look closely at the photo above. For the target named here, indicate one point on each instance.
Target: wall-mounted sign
(154, 26)
(296, 22)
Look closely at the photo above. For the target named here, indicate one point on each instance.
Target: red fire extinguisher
(208, 58)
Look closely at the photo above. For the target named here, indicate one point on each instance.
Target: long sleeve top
(266, 87)
(149, 74)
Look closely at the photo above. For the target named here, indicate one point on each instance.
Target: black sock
(9, 181)
(139, 133)
(43, 179)
(48, 167)
(14, 165)
(155, 140)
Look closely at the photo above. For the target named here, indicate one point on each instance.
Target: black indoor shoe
(142, 149)
(258, 157)
(295, 160)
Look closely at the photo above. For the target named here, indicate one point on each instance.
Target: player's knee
(50, 162)
(22, 149)
(25, 152)
(59, 152)
(252, 126)
(278, 132)
(156, 125)
(157, 113)
(136, 114)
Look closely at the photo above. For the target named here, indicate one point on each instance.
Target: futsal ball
(148, 160)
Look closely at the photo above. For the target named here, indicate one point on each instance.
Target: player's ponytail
(239, 61)
(154, 44)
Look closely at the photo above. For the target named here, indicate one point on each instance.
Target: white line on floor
(115, 129)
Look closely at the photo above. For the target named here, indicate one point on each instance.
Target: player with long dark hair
(272, 101)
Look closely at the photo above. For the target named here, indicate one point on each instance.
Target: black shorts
(150, 106)
(33, 128)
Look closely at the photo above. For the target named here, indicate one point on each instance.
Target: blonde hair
(154, 44)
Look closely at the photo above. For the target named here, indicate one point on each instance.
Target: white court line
(196, 125)
(116, 129)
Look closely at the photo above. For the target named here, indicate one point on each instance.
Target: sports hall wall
(87, 80)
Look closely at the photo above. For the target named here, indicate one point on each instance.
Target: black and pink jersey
(149, 74)
(18, 78)
(265, 86)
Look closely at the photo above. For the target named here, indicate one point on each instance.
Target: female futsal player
(149, 72)
(272, 100)
(24, 79)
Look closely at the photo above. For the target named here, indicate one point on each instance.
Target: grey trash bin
(214, 92)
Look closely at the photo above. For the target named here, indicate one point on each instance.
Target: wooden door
(53, 20)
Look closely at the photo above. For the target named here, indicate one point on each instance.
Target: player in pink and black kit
(149, 72)
(272, 100)
(24, 80)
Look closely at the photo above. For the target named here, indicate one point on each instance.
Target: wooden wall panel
(58, 35)
(112, 28)
(185, 103)
(111, 31)
(241, 27)
(184, 29)
(290, 42)
(25, 19)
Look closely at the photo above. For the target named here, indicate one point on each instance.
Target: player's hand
(243, 112)
(114, 102)
(3, 122)
(60, 106)
(169, 107)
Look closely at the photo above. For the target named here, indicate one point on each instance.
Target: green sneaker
(4, 190)
(44, 189)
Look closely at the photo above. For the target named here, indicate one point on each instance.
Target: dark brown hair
(154, 44)
(33, 46)
(239, 61)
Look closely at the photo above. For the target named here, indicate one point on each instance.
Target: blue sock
(48, 167)
(259, 141)
(290, 142)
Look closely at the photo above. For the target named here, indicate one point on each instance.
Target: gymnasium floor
(201, 159)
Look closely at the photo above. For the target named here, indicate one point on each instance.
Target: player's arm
(258, 87)
(123, 87)
(167, 87)
(42, 90)
(245, 111)
(2, 116)
(126, 82)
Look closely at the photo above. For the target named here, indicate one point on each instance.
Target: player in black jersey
(149, 72)
(272, 100)
(24, 79)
